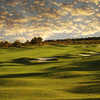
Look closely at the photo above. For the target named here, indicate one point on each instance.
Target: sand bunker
(91, 53)
(46, 59)
(84, 54)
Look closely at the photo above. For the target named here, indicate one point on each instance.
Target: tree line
(39, 41)
(18, 44)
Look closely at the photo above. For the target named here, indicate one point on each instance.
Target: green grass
(71, 77)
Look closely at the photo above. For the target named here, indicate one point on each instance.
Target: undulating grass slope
(72, 76)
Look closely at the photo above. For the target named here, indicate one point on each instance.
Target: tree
(36, 40)
(17, 43)
(27, 43)
(5, 44)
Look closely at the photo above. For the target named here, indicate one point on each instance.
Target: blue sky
(50, 19)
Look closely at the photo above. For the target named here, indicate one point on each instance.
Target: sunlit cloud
(50, 19)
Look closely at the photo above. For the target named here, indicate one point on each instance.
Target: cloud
(24, 19)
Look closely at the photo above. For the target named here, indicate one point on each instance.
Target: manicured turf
(72, 76)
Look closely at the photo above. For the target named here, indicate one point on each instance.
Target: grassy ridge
(71, 77)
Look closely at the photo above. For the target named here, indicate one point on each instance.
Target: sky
(51, 19)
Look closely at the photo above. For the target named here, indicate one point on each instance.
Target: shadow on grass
(24, 75)
(66, 56)
(34, 61)
(6, 64)
(61, 72)
(86, 99)
(87, 89)
(54, 72)
(42, 74)
(1, 63)
(85, 66)
(28, 61)
(92, 86)
(25, 61)
(81, 66)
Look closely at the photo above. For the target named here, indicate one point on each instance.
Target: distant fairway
(75, 75)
